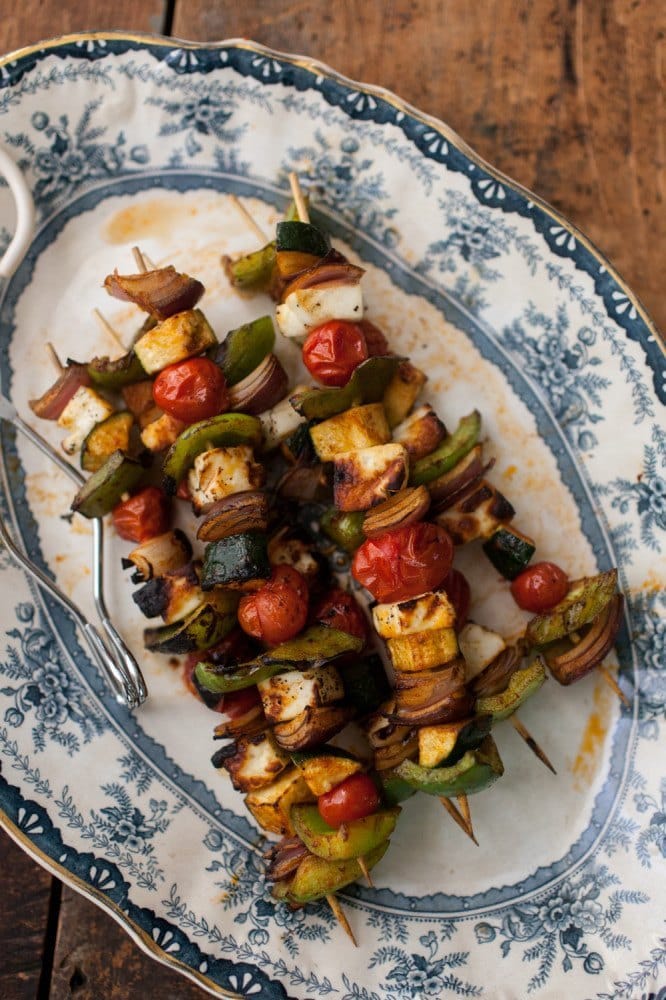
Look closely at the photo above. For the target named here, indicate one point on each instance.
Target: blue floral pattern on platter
(579, 342)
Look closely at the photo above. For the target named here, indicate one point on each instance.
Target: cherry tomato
(341, 610)
(143, 516)
(237, 703)
(333, 351)
(191, 390)
(457, 590)
(404, 563)
(375, 340)
(353, 798)
(278, 610)
(540, 587)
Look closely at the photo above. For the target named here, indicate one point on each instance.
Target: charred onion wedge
(407, 507)
(162, 292)
(261, 389)
(572, 664)
(235, 514)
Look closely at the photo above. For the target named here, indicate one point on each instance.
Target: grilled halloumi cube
(479, 647)
(281, 420)
(402, 392)
(161, 433)
(425, 613)
(307, 308)
(257, 761)
(423, 650)
(287, 695)
(271, 805)
(362, 479)
(297, 553)
(220, 472)
(174, 339)
(84, 411)
(436, 743)
(359, 427)
(420, 432)
(325, 770)
(477, 514)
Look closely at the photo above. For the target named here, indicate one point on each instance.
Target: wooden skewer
(334, 904)
(104, 323)
(53, 354)
(458, 819)
(463, 803)
(139, 259)
(301, 204)
(524, 732)
(152, 266)
(613, 684)
(366, 873)
(254, 226)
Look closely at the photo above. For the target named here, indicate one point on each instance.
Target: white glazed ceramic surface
(126, 140)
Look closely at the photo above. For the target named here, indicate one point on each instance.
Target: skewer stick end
(458, 819)
(613, 685)
(525, 734)
(139, 259)
(53, 354)
(251, 221)
(301, 204)
(112, 332)
(366, 872)
(339, 914)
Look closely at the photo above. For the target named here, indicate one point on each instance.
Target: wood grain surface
(565, 96)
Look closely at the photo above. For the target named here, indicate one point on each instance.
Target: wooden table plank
(95, 958)
(565, 96)
(26, 890)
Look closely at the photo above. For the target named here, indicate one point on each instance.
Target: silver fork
(125, 662)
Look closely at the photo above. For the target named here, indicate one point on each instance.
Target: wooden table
(566, 96)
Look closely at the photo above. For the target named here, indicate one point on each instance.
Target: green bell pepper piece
(316, 877)
(253, 271)
(344, 528)
(394, 788)
(476, 770)
(586, 599)
(313, 648)
(243, 349)
(522, 685)
(350, 840)
(367, 385)
(105, 488)
(224, 431)
(107, 374)
(451, 450)
(205, 627)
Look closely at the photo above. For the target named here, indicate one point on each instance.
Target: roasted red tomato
(237, 703)
(457, 590)
(353, 798)
(375, 340)
(540, 587)
(191, 390)
(404, 562)
(143, 516)
(341, 610)
(333, 351)
(278, 610)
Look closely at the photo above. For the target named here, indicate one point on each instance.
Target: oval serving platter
(128, 139)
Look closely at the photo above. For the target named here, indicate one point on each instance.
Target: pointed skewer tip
(340, 916)
(251, 221)
(613, 685)
(366, 873)
(458, 819)
(525, 734)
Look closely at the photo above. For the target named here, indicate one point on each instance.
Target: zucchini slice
(239, 561)
(509, 551)
(302, 237)
(112, 434)
(105, 488)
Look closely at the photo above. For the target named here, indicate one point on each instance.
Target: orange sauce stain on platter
(592, 741)
(159, 217)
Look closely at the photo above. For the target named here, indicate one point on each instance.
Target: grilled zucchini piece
(359, 427)
(174, 339)
(271, 805)
(239, 562)
(429, 611)
(287, 695)
(402, 392)
(221, 472)
(509, 551)
(420, 433)
(112, 434)
(365, 478)
(423, 650)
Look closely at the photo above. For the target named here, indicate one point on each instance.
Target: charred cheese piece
(281, 420)
(287, 695)
(425, 613)
(257, 762)
(161, 433)
(477, 514)
(84, 411)
(272, 804)
(479, 647)
(307, 308)
(174, 339)
(362, 479)
(402, 392)
(220, 472)
(359, 427)
(420, 433)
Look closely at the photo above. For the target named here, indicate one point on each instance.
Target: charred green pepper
(367, 385)
(107, 374)
(350, 840)
(522, 685)
(243, 349)
(476, 770)
(586, 599)
(205, 627)
(224, 431)
(313, 648)
(105, 488)
(451, 450)
(316, 877)
(344, 528)
(253, 271)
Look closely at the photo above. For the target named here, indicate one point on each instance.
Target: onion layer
(588, 653)
(261, 389)
(233, 515)
(53, 402)
(406, 507)
(162, 292)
